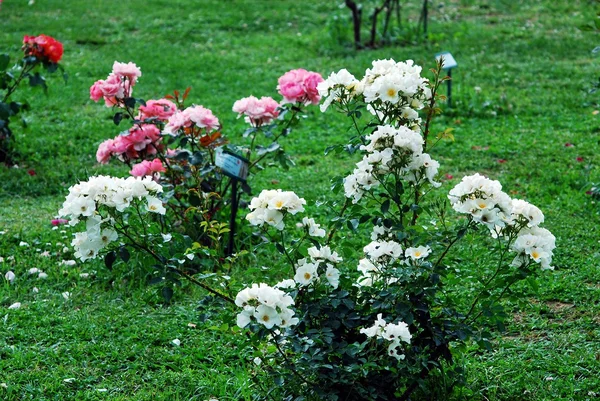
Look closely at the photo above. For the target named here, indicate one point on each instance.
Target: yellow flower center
(535, 254)
(307, 276)
(391, 92)
(417, 254)
(279, 204)
(265, 318)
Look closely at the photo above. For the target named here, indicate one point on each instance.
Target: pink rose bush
(178, 147)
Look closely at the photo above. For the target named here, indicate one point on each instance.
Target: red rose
(43, 47)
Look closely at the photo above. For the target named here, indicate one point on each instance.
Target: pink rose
(160, 109)
(96, 90)
(105, 151)
(127, 70)
(176, 122)
(257, 112)
(202, 117)
(146, 167)
(299, 86)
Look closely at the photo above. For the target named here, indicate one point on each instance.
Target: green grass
(533, 67)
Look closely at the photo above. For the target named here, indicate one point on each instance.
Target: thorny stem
(454, 241)
(178, 271)
(426, 129)
(25, 70)
(293, 369)
(334, 229)
(283, 130)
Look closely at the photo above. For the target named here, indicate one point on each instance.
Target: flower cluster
(117, 86)
(257, 112)
(535, 243)
(300, 86)
(484, 200)
(394, 333)
(379, 255)
(192, 121)
(397, 151)
(312, 228)
(44, 48)
(321, 258)
(86, 198)
(136, 143)
(148, 168)
(271, 205)
(339, 87)
(158, 110)
(397, 83)
(268, 305)
(392, 90)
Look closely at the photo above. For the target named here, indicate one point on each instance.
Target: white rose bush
(378, 324)
(366, 309)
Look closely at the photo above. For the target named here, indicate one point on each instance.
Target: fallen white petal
(16, 305)
(10, 276)
(176, 342)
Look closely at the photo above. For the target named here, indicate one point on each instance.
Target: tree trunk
(374, 17)
(356, 21)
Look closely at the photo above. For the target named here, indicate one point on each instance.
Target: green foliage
(114, 334)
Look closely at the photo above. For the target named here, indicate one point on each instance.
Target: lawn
(522, 113)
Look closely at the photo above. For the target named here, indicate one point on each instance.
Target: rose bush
(180, 148)
(377, 326)
(39, 52)
(372, 325)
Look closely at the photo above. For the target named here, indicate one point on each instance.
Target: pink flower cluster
(139, 142)
(161, 110)
(147, 167)
(257, 112)
(117, 86)
(300, 86)
(190, 118)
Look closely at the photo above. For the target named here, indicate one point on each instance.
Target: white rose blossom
(270, 207)
(269, 306)
(86, 199)
(394, 333)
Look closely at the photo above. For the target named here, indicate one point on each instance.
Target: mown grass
(520, 95)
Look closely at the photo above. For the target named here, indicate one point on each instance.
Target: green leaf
(352, 224)
(5, 111)
(273, 147)
(109, 259)
(129, 102)
(117, 118)
(167, 293)
(38, 80)
(385, 206)
(124, 254)
(197, 158)
(4, 61)
(156, 280)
